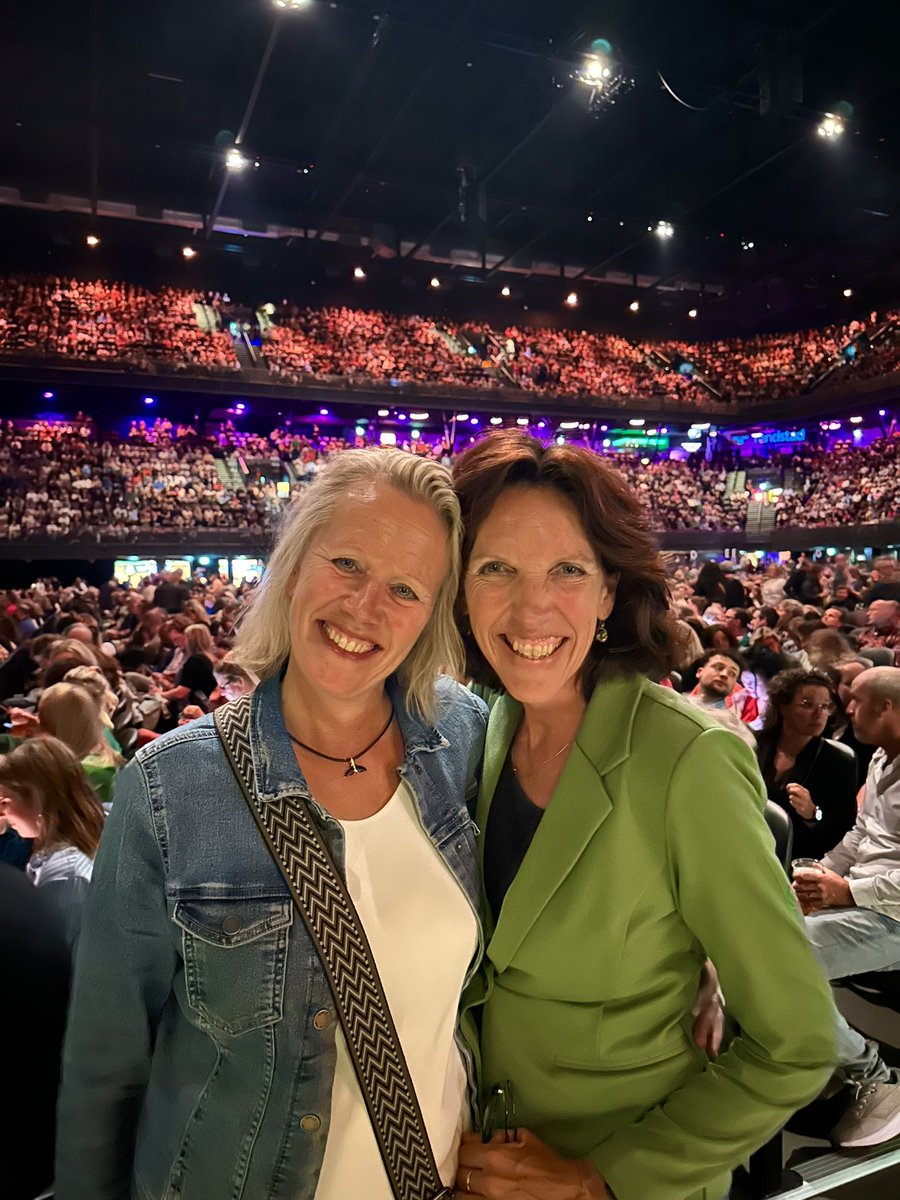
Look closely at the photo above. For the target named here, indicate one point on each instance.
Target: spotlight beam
(247, 117)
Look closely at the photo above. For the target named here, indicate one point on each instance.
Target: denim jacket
(200, 1052)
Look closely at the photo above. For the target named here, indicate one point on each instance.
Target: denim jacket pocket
(235, 954)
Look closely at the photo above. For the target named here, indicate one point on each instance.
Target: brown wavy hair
(50, 781)
(641, 628)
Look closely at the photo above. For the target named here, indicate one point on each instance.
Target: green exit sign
(640, 441)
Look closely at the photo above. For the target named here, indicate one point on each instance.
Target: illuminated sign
(772, 437)
(640, 441)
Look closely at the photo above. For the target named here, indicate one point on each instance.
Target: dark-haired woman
(812, 778)
(623, 843)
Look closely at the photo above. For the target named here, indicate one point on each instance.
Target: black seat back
(782, 831)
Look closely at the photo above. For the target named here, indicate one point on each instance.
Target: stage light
(401, 416)
(691, 447)
(594, 71)
(847, 293)
(387, 438)
(747, 245)
(149, 400)
(415, 434)
(590, 216)
(496, 420)
(384, 412)
(645, 462)
(663, 230)
(323, 412)
(572, 299)
(568, 424)
(474, 421)
(634, 306)
(603, 428)
(435, 282)
(419, 416)
(462, 416)
(92, 240)
(560, 441)
(235, 161)
(542, 424)
(188, 252)
(882, 413)
(637, 422)
(521, 420)
(48, 395)
(692, 312)
(240, 407)
(358, 273)
(504, 291)
(360, 431)
(856, 420)
(830, 126)
(600, 72)
(291, 5)
(607, 443)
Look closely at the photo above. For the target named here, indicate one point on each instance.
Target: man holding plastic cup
(851, 901)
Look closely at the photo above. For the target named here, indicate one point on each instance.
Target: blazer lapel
(579, 806)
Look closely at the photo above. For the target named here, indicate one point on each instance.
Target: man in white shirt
(853, 906)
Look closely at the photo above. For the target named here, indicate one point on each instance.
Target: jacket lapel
(579, 806)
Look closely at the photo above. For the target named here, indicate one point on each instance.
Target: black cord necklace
(354, 768)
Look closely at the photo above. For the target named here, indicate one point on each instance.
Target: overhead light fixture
(148, 400)
(323, 412)
(504, 291)
(637, 421)
(882, 412)
(419, 416)
(568, 424)
(663, 230)
(634, 306)
(601, 72)
(831, 126)
(188, 252)
(496, 420)
(856, 420)
(235, 161)
(358, 273)
(92, 240)
(462, 416)
(692, 312)
(291, 5)
(691, 447)
(384, 412)
(435, 282)
(521, 420)
(747, 245)
(572, 299)
(847, 293)
(48, 395)
(474, 421)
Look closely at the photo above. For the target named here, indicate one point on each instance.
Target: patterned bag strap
(333, 924)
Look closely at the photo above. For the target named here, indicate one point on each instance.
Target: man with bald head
(852, 907)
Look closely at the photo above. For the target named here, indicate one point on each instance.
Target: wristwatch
(818, 816)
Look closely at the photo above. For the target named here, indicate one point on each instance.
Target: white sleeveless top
(423, 934)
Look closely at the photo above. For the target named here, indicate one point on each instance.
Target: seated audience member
(69, 712)
(852, 907)
(845, 597)
(195, 682)
(882, 626)
(171, 592)
(45, 796)
(842, 730)
(36, 961)
(18, 674)
(772, 586)
(834, 618)
(718, 673)
(827, 648)
(738, 622)
(812, 779)
(232, 681)
(885, 582)
(717, 636)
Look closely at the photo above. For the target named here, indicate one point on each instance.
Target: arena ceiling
(458, 134)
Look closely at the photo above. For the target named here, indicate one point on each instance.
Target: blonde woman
(68, 711)
(45, 795)
(195, 682)
(204, 1057)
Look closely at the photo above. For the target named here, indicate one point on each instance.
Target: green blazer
(653, 853)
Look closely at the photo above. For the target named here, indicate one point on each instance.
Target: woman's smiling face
(534, 592)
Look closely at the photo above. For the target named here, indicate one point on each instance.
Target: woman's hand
(801, 801)
(709, 1010)
(525, 1169)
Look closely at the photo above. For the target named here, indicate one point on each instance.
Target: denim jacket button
(322, 1019)
(310, 1123)
(231, 924)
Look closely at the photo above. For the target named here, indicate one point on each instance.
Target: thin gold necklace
(516, 770)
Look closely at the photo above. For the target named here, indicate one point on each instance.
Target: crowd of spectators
(66, 480)
(122, 323)
(102, 322)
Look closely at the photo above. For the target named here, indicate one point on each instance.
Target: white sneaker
(873, 1116)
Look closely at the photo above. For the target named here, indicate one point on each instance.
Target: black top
(829, 775)
(512, 824)
(197, 675)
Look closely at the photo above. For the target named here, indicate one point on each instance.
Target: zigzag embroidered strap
(334, 926)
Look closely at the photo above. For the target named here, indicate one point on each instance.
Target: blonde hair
(264, 638)
(68, 711)
(198, 640)
(93, 682)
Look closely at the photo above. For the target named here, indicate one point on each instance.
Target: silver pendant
(354, 769)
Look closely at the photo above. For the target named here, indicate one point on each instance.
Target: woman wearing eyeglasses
(811, 777)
